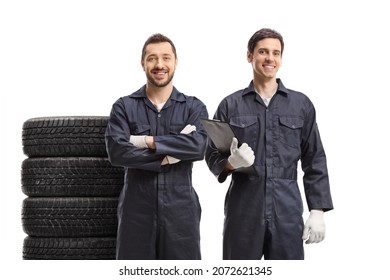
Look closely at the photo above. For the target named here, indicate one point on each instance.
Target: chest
(257, 124)
(145, 119)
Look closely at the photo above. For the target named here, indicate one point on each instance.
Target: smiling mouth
(159, 72)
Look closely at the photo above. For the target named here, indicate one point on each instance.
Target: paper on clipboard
(222, 134)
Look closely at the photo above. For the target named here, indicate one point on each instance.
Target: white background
(64, 58)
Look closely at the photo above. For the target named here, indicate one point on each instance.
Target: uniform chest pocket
(246, 128)
(176, 129)
(139, 129)
(290, 130)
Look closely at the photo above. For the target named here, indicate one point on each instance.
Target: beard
(156, 83)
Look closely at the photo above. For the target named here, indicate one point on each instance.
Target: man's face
(266, 58)
(159, 64)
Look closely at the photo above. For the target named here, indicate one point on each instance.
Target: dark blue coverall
(263, 212)
(158, 211)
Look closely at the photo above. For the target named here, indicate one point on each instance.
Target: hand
(186, 130)
(240, 157)
(139, 141)
(314, 230)
(171, 160)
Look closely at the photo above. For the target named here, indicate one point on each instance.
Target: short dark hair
(157, 38)
(263, 34)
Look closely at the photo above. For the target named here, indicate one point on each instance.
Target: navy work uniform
(158, 211)
(263, 212)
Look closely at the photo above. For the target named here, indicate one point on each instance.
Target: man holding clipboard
(222, 135)
(277, 126)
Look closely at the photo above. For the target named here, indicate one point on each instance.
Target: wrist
(316, 212)
(229, 167)
(149, 141)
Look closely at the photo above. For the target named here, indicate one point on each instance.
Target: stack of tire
(72, 189)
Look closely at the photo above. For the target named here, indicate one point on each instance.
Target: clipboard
(221, 135)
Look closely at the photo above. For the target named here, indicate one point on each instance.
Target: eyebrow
(265, 49)
(164, 54)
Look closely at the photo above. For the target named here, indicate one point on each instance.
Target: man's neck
(158, 95)
(266, 88)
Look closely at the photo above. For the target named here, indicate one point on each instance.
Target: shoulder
(232, 99)
(129, 99)
(190, 100)
(299, 97)
(297, 94)
(237, 95)
(296, 97)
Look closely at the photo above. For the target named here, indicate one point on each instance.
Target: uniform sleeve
(314, 166)
(191, 146)
(214, 159)
(120, 151)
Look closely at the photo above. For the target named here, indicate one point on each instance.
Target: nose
(269, 57)
(159, 63)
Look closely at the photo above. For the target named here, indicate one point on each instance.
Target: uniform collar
(281, 88)
(175, 95)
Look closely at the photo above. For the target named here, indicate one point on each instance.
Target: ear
(249, 56)
(143, 64)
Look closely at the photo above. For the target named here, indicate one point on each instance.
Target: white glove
(186, 130)
(314, 230)
(172, 160)
(240, 157)
(139, 141)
